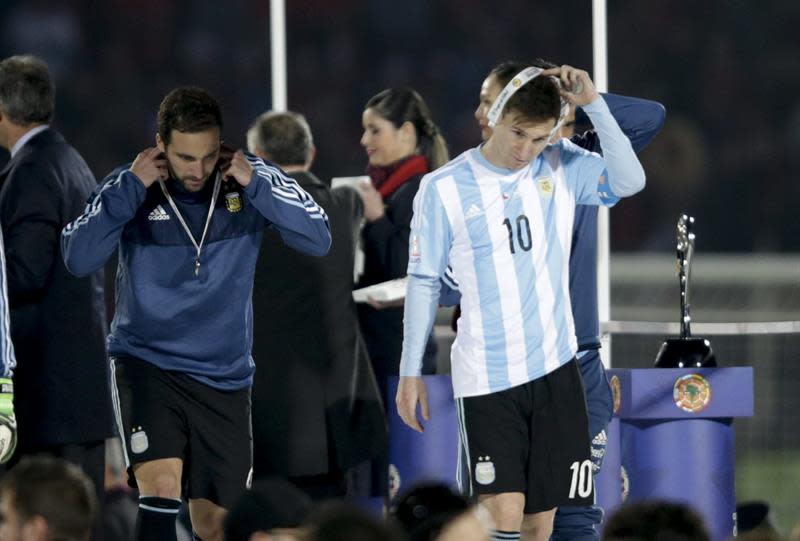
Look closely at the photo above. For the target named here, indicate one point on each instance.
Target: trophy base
(686, 353)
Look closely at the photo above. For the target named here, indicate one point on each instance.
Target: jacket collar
(305, 179)
(41, 139)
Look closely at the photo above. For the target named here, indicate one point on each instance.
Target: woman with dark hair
(402, 143)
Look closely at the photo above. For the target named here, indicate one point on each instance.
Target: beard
(190, 183)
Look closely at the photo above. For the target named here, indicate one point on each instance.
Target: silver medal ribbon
(198, 246)
(517, 82)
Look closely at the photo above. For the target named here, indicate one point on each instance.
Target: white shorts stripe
(118, 411)
(462, 433)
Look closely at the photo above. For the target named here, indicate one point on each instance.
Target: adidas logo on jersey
(158, 214)
(473, 211)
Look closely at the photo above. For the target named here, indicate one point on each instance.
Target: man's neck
(493, 156)
(15, 133)
(294, 168)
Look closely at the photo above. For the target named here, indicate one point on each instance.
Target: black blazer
(315, 399)
(58, 321)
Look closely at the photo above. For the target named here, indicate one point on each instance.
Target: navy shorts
(163, 414)
(533, 439)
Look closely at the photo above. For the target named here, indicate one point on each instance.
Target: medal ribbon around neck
(198, 247)
(517, 82)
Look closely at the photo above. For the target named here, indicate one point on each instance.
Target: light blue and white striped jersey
(507, 236)
(7, 359)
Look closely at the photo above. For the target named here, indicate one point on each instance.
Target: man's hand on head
(576, 85)
(150, 166)
(236, 166)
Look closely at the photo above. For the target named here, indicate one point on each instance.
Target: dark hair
(271, 503)
(538, 100)
(400, 105)
(188, 109)
(284, 137)
(27, 92)
(425, 510)
(339, 521)
(655, 521)
(55, 490)
(504, 71)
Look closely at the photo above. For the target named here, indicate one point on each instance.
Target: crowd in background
(725, 71)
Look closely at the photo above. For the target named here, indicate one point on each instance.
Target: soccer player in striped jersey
(501, 215)
(640, 120)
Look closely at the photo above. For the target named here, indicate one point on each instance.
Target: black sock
(156, 519)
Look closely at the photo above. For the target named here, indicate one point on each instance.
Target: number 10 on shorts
(581, 479)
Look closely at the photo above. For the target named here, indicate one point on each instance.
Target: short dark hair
(505, 71)
(340, 521)
(537, 100)
(654, 520)
(56, 490)
(427, 509)
(27, 92)
(270, 503)
(285, 137)
(188, 109)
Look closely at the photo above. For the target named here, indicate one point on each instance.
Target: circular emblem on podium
(691, 393)
(616, 392)
(625, 483)
(394, 481)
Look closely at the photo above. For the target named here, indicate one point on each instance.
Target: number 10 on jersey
(523, 238)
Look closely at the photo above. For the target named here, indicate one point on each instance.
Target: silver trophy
(685, 351)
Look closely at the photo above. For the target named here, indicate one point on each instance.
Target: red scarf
(388, 179)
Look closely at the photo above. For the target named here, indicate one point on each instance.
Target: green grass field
(774, 478)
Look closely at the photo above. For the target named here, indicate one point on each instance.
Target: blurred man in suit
(316, 408)
(58, 325)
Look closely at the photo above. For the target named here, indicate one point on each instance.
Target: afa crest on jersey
(545, 185)
(233, 202)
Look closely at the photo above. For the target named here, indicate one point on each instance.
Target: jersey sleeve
(624, 173)
(620, 172)
(639, 119)
(429, 245)
(300, 221)
(431, 235)
(586, 172)
(88, 241)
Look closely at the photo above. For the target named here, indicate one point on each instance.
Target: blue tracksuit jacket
(201, 325)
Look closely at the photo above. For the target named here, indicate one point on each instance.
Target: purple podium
(672, 439)
(432, 455)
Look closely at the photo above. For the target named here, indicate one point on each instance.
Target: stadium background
(726, 70)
